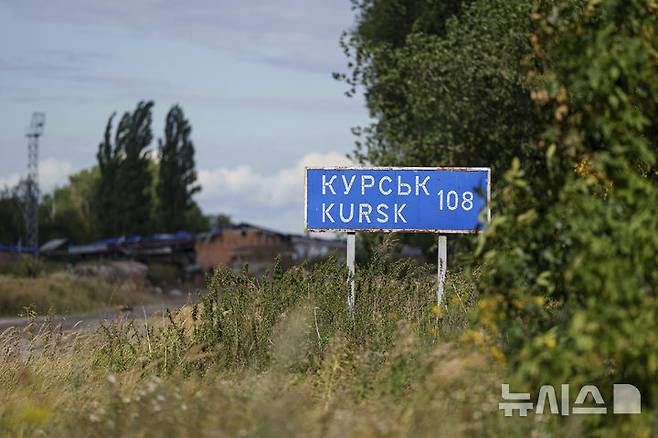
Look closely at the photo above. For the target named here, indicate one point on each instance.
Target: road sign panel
(411, 199)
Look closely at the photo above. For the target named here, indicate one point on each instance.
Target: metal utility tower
(34, 131)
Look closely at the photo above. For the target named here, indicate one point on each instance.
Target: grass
(61, 292)
(278, 355)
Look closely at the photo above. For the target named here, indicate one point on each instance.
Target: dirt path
(93, 320)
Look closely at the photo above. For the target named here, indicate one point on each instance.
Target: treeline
(136, 194)
(134, 188)
(560, 97)
(445, 82)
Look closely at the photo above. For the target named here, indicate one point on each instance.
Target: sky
(253, 77)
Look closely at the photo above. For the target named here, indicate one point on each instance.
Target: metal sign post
(351, 254)
(441, 200)
(442, 264)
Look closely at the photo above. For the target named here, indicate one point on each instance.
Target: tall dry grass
(278, 355)
(62, 292)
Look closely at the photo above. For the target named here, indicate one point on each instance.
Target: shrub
(161, 274)
(569, 278)
(28, 266)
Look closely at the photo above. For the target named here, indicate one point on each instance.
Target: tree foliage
(177, 174)
(443, 81)
(123, 200)
(570, 280)
(12, 223)
(68, 211)
(560, 97)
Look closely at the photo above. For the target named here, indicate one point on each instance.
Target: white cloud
(270, 199)
(283, 187)
(52, 173)
(9, 181)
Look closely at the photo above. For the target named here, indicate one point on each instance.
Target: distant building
(192, 253)
(55, 248)
(137, 246)
(236, 245)
(309, 248)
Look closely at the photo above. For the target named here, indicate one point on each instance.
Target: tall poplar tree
(123, 200)
(177, 174)
(105, 196)
(135, 177)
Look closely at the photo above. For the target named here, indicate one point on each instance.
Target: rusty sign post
(441, 200)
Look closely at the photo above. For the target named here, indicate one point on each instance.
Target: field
(276, 356)
(65, 293)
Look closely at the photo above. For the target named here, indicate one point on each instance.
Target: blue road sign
(412, 199)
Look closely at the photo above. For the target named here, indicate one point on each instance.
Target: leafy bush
(28, 266)
(570, 275)
(162, 274)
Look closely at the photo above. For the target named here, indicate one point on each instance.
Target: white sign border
(397, 230)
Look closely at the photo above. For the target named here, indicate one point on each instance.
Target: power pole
(34, 131)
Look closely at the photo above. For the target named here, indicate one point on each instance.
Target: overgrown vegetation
(263, 357)
(241, 315)
(570, 286)
(278, 355)
(560, 97)
(27, 266)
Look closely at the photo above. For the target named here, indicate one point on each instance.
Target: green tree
(443, 81)
(67, 212)
(106, 196)
(177, 174)
(123, 201)
(195, 220)
(135, 176)
(222, 220)
(12, 224)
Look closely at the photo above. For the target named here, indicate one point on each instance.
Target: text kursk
(382, 213)
(366, 213)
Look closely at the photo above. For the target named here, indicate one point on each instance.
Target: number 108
(452, 200)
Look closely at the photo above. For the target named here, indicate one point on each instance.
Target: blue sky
(253, 77)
